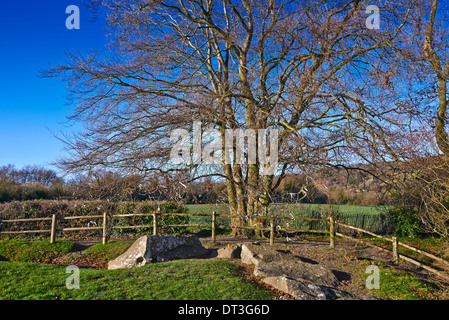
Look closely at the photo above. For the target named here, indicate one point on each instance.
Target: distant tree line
(36, 182)
(28, 183)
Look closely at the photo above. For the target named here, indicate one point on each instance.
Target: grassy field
(303, 208)
(35, 251)
(370, 218)
(175, 280)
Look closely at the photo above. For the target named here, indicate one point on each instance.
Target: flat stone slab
(271, 263)
(304, 291)
(158, 248)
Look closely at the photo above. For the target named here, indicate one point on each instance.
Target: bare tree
(421, 182)
(435, 53)
(332, 87)
(30, 174)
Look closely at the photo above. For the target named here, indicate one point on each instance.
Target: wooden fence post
(53, 228)
(271, 231)
(155, 223)
(395, 251)
(332, 231)
(105, 228)
(213, 226)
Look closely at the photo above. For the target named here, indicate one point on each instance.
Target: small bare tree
(421, 179)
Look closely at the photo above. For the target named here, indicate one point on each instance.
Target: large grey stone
(304, 291)
(271, 263)
(231, 251)
(300, 279)
(158, 248)
(253, 254)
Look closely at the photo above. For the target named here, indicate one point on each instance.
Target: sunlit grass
(175, 280)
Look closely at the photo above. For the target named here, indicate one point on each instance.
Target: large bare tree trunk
(442, 75)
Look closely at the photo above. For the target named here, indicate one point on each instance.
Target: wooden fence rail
(394, 251)
(105, 219)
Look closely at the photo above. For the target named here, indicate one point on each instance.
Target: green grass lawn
(107, 252)
(175, 280)
(397, 284)
(34, 251)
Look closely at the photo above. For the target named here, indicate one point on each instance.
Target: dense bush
(405, 221)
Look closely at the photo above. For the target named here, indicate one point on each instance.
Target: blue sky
(33, 35)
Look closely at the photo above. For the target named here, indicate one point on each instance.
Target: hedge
(69, 208)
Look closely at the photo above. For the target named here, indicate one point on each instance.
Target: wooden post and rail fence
(395, 244)
(155, 225)
(213, 225)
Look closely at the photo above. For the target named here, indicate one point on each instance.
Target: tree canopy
(337, 92)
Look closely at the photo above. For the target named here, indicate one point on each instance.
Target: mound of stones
(285, 272)
(290, 274)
